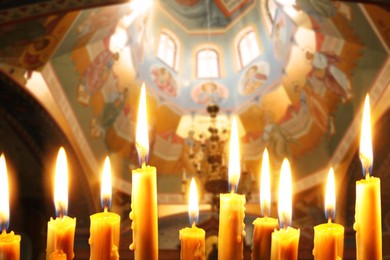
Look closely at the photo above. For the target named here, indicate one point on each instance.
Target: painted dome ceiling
(294, 75)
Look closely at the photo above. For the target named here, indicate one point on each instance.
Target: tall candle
(368, 221)
(144, 194)
(232, 207)
(9, 242)
(329, 237)
(263, 227)
(60, 231)
(285, 241)
(105, 226)
(193, 238)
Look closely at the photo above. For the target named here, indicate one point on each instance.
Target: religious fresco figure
(279, 35)
(316, 8)
(311, 102)
(325, 69)
(112, 109)
(209, 93)
(275, 137)
(254, 78)
(98, 71)
(164, 80)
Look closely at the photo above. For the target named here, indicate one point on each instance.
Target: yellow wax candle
(9, 242)
(285, 241)
(192, 243)
(328, 241)
(60, 231)
(60, 236)
(104, 240)
(105, 226)
(193, 238)
(368, 221)
(329, 237)
(263, 227)
(232, 207)
(285, 244)
(144, 194)
(58, 255)
(9, 246)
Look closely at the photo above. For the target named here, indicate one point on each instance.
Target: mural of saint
(275, 137)
(98, 71)
(279, 36)
(164, 80)
(209, 93)
(254, 78)
(325, 69)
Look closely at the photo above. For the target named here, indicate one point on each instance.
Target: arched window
(207, 63)
(247, 46)
(168, 49)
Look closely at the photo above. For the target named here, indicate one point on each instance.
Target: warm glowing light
(287, 2)
(61, 184)
(193, 204)
(366, 156)
(106, 189)
(140, 6)
(285, 195)
(265, 185)
(118, 40)
(234, 157)
(4, 194)
(330, 196)
(142, 139)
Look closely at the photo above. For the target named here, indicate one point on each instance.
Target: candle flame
(330, 196)
(265, 185)
(285, 195)
(234, 157)
(106, 188)
(366, 155)
(193, 203)
(4, 195)
(142, 139)
(61, 184)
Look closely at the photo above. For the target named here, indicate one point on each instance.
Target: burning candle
(368, 220)
(232, 207)
(263, 227)
(144, 193)
(285, 241)
(105, 226)
(329, 237)
(9, 242)
(60, 231)
(193, 238)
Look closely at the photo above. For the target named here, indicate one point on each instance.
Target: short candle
(105, 226)
(263, 227)
(60, 231)
(9, 242)
(192, 238)
(285, 241)
(329, 237)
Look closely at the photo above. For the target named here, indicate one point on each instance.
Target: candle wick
(143, 163)
(193, 224)
(367, 173)
(105, 208)
(4, 230)
(329, 219)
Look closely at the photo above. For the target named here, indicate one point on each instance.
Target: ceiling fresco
(298, 97)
